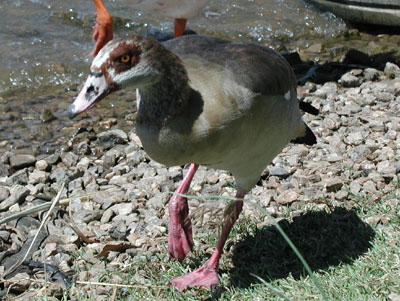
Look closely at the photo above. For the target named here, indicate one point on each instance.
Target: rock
(109, 160)
(122, 208)
(279, 172)
(84, 163)
(60, 175)
(349, 80)
(18, 194)
(75, 186)
(134, 159)
(69, 159)
(371, 74)
(391, 70)
(159, 200)
(52, 159)
(394, 297)
(341, 195)
(83, 148)
(4, 170)
(107, 216)
(334, 158)
(118, 230)
(19, 283)
(20, 178)
(355, 187)
(4, 193)
(47, 116)
(21, 161)
(370, 187)
(355, 138)
(334, 185)
(41, 165)
(112, 138)
(287, 197)
(37, 176)
(86, 216)
(316, 48)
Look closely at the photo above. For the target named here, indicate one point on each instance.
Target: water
(48, 42)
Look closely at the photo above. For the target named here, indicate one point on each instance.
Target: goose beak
(95, 89)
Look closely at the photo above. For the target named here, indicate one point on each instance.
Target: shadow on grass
(324, 239)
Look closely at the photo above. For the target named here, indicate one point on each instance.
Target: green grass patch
(351, 259)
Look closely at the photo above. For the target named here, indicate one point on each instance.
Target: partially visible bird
(180, 10)
(225, 105)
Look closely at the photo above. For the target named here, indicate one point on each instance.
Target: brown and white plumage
(208, 101)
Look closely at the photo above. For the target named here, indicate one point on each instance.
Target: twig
(114, 295)
(119, 285)
(43, 207)
(19, 262)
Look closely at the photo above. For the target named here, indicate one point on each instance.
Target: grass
(351, 259)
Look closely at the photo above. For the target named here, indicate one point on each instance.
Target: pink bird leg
(207, 276)
(180, 239)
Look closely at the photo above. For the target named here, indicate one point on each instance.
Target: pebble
(333, 185)
(111, 138)
(41, 165)
(349, 80)
(391, 70)
(357, 153)
(4, 193)
(18, 194)
(287, 197)
(21, 161)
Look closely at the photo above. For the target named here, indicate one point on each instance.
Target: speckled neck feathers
(167, 97)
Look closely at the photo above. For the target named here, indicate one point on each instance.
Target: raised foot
(205, 277)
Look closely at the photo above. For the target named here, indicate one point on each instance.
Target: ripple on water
(49, 42)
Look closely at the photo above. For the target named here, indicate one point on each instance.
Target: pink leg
(180, 239)
(207, 276)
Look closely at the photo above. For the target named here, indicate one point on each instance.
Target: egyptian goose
(180, 10)
(204, 100)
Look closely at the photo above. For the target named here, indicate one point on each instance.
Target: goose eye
(125, 58)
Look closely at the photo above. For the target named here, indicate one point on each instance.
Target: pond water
(48, 42)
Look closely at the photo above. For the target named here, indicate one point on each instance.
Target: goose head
(124, 62)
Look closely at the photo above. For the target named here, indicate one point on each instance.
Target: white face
(118, 64)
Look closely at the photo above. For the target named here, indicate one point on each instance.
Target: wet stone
(47, 116)
(112, 138)
(21, 161)
(52, 159)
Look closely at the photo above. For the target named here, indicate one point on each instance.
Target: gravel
(358, 152)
